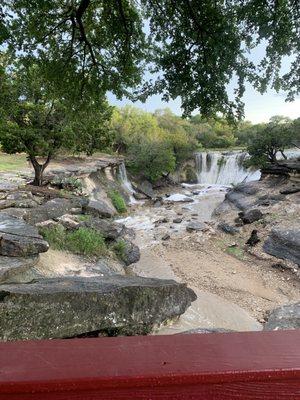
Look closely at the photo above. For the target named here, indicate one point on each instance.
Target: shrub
(85, 241)
(118, 201)
(119, 248)
(55, 236)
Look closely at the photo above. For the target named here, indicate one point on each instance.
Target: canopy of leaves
(35, 122)
(193, 48)
(270, 139)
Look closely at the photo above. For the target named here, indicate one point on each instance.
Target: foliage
(69, 183)
(118, 201)
(153, 157)
(85, 241)
(147, 146)
(38, 124)
(269, 140)
(55, 236)
(193, 49)
(119, 248)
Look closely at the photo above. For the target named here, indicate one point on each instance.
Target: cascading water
(223, 169)
(227, 168)
(126, 182)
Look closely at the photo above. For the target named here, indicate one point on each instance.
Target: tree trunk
(39, 169)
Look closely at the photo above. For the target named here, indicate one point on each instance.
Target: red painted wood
(252, 365)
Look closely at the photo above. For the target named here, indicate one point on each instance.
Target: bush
(85, 241)
(119, 248)
(55, 236)
(118, 201)
(69, 183)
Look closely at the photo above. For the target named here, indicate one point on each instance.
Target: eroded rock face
(18, 239)
(57, 308)
(285, 317)
(284, 243)
(99, 208)
(52, 209)
(109, 229)
(12, 269)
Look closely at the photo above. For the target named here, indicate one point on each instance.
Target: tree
(194, 48)
(38, 124)
(269, 140)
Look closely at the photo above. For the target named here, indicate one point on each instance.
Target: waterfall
(126, 182)
(223, 168)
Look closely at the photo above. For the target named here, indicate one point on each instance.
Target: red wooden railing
(252, 365)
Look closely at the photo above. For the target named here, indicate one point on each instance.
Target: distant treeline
(158, 142)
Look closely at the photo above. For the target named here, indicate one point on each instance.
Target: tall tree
(35, 122)
(195, 48)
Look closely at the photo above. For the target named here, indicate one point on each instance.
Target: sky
(258, 107)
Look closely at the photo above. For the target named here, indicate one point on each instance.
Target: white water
(126, 182)
(227, 168)
(223, 169)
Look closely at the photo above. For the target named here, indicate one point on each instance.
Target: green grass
(118, 201)
(12, 162)
(85, 241)
(236, 252)
(119, 248)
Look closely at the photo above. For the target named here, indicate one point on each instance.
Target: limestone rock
(13, 268)
(232, 230)
(196, 227)
(109, 229)
(250, 216)
(284, 243)
(99, 208)
(131, 253)
(58, 308)
(285, 317)
(18, 239)
(52, 209)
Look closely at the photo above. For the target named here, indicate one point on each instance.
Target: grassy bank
(13, 162)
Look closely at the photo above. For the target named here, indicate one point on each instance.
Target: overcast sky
(258, 108)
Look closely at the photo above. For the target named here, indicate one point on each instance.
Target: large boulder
(109, 229)
(284, 243)
(19, 239)
(285, 317)
(52, 209)
(146, 188)
(131, 253)
(67, 307)
(99, 208)
(13, 269)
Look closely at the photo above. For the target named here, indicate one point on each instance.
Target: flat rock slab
(12, 269)
(19, 239)
(285, 317)
(67, 307)
(100, 208)
(52, 209)
(284, 243)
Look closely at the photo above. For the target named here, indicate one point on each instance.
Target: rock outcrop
(19, 239)
(68, 307)
(99, 208)
(285, 317)
(284, 243)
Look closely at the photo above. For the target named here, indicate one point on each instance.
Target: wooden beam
(250, 365)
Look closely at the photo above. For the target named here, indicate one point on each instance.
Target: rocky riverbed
(193, 257)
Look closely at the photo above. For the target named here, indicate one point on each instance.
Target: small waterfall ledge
(126, 182)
